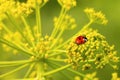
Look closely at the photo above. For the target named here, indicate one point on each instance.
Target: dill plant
(51, 54)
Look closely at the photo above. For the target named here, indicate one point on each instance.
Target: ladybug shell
(80, 40)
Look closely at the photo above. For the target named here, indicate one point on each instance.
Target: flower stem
(58, 50)
(29, 31)
(59, 60)
(76, 72)
(57, 70)
(67, 76)
(13, 71)
(9, 63)
(54, 54)
(29, 70)
(40, 70)
(58, 36)
(5, 28)
(15, 46)
(58, 24)
(86, 26)
(16, 26)
(38, 21)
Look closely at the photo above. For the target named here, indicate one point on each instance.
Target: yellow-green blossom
(95, 50)
(97, 17)
(115, 76)
(90, 76)
(67, 4)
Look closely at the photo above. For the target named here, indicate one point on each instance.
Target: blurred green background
(110, 8)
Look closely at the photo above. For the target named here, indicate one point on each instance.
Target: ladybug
(81, 40)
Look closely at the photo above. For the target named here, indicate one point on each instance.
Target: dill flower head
(96, 50)
(97, 17)
(67, 4)
(50, 54)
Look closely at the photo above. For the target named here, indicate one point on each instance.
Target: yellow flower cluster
(42, 46)
(97, 17)
(115, 76)
(96, 50)
(90, 76)
(77, 78)
(67, 23)
(27, 7)
(67, 4)
(17, 8)
(86, 66)
(5, 5)
(34, 2)
(22, 9)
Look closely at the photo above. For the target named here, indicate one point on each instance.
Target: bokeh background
(111, 8)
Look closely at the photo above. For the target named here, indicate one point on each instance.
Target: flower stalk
(57, 70)
(38, 20)
(13, 71)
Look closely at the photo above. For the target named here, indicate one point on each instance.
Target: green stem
(24, 21)
(86, 26)
(54, 29)
(13, 71)
(42, 4)
(15, 46)
(29, 31)
(57, 70)
(14, 62)
(16, 26)
(58, 24)
(58, 50)
(40, 70)
(60, 33)
(5, 27)
(38, 21)
(54, 54)
(10, 33)
(58, 60)
(58, 36)
(76, 72)
(61, 72)
(29, 70)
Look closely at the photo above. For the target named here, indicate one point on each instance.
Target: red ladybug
(80, 40)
